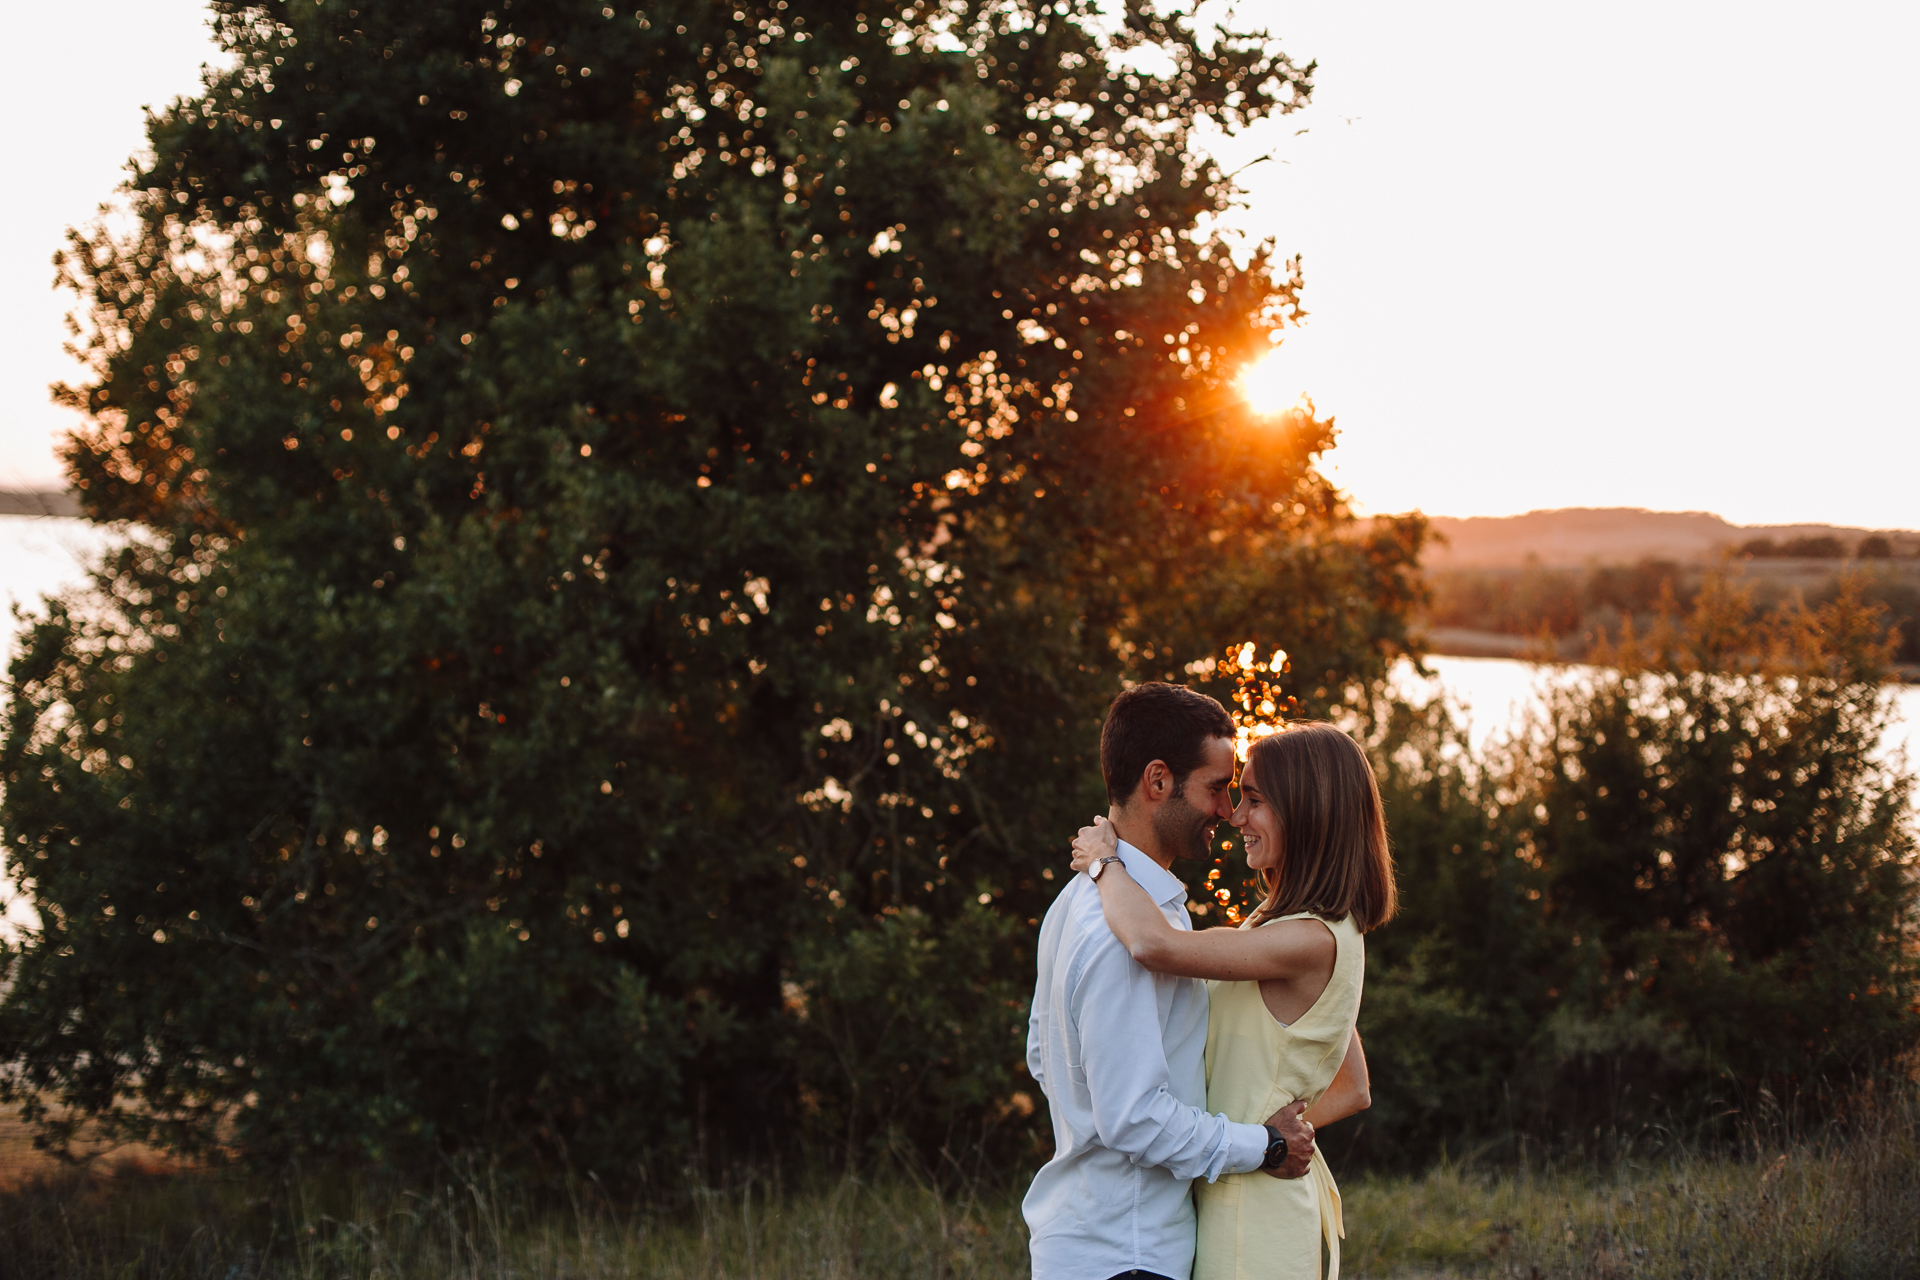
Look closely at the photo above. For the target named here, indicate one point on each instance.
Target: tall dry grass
(470, 1225)
(1839, 1204)
(1844, 1206)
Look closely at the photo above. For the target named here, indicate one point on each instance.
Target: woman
(1283, 989)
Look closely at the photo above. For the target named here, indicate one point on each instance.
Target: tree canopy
(639, 515)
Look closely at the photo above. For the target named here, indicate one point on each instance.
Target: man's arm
(1134, 1110)
(1034, 1056)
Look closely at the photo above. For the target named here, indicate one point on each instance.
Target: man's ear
(1156, 782)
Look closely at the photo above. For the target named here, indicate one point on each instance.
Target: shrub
(1689, 881)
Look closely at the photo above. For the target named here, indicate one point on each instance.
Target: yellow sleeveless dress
(1253, 1226)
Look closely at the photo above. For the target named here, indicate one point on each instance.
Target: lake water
(38, 555)
(1497, 691)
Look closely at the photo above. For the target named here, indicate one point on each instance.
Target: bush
(1897, 594)
(1688, 882)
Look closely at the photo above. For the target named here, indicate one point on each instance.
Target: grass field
(1840, 1207)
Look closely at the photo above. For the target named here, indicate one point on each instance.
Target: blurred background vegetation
(1686, 884)
(1565, 612)
(639, 515)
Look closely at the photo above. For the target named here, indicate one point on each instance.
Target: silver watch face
(1093, 872)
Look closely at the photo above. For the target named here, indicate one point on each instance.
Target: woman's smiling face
(1258, 824)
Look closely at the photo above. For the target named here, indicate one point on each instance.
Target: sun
(1265, 385)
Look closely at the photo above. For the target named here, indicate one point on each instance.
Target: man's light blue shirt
(1121, 1055)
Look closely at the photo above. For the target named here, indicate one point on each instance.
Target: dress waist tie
(1332, 1226)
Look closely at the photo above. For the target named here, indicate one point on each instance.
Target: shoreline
(1465, 642)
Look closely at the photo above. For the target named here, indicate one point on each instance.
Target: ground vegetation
(1784, 1203)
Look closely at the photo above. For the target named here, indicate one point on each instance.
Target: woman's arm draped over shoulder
(1286, 950)
(1133, 916)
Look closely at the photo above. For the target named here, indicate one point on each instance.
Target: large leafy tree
(640, 513)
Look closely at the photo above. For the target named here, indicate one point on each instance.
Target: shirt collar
(1161, 884)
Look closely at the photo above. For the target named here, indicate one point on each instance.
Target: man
(1120, 1052)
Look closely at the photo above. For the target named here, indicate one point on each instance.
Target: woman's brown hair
(1334, 860)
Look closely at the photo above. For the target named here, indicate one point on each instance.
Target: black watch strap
(1276, 1148)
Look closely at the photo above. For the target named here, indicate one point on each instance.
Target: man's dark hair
(1154, 721)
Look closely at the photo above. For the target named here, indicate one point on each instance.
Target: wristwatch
(1276, 1149)
(1093, 872)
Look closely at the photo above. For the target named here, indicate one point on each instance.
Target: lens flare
(1267, 387)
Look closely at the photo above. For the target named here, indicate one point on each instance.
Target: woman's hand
(1350, 1091)
(1094, 843)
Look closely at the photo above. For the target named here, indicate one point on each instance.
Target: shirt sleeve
(1134, 1110)
(1034, 1055)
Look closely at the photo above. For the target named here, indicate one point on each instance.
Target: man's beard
(1182, 830)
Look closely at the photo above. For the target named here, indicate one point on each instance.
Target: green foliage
(1691, 881)
(641, 514)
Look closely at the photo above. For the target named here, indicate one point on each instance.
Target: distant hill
(1573, 537)
(37, 502)
(1566, 538)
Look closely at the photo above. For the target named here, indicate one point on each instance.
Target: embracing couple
(1185, 1066)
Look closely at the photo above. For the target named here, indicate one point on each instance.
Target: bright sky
(1622, 254)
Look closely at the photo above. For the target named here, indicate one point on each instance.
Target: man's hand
(1294, 1128)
